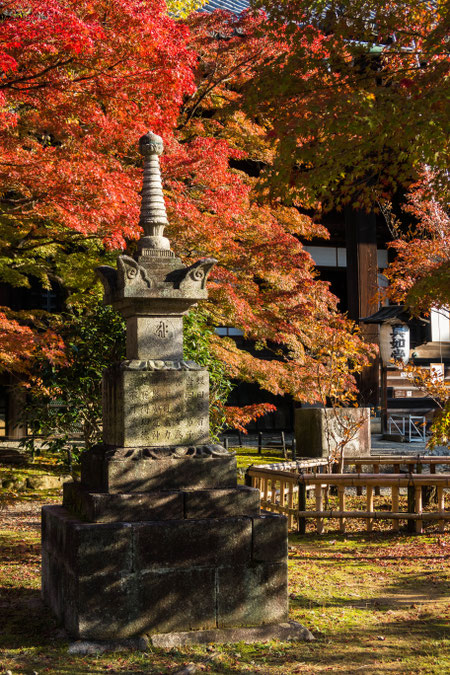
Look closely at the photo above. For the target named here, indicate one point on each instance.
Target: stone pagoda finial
(153, 217)
(155, 283)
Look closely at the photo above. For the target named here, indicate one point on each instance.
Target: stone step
(161, 505)
(124, 470)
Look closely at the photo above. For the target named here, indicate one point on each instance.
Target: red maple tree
(81, 81)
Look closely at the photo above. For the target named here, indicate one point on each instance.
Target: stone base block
(289, 631)
(110, 469)
(165, 505)
(119, 580)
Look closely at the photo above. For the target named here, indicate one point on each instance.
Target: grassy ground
(376, 604)
(247, 456)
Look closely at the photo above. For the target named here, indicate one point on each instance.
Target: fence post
(376, 469)
(319, 507)
(418, 509)
(369, 502)
(290, 503)
(418, 524)
(358, 468)
(260, 438)
(294, 450)
(283, 445)
(341, 495)
(411, 526)
(301, 520)
(441, 507)
(225, 442)
(395, 507)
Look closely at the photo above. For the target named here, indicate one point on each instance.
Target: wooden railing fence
(285, 491)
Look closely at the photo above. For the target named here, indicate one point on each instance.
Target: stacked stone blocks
(118, 580)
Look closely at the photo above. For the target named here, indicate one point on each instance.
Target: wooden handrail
(379, 479)
(380, 515)
(285, 475)
(397, 459)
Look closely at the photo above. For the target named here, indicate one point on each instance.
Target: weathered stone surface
(117, 580)
(87, 548)
(56, 528)
(154, 559)
(105, 508)
(46, 482)
(153, 408)
(252, 595)
(119, 605)
(222, 503)
(52, 572)
(270, 537)
(106, 605)
(182, 599)
(289, 631)
(193, 543)
(140, 473)
(101, 550)
(318, 431)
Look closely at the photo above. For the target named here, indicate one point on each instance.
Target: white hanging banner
(394, 343)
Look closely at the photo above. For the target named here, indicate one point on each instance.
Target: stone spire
(153, 217)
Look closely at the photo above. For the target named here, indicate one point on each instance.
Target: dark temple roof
(386, 313)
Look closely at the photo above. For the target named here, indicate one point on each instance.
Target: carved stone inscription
(155, 408)
(155, 338)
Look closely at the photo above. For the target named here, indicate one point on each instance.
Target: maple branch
(359, 79)
(9, 85)
(213, 85)
(104, 71)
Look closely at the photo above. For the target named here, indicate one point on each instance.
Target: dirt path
(20, 515)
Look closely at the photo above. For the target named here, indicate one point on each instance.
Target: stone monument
(320, 432)
(157, 538)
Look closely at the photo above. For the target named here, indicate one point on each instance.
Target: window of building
(229, 331)
(440, 325)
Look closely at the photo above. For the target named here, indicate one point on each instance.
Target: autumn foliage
(420, 273)
(419, 277)
(21, 346)
(81, 81)
(356, 99)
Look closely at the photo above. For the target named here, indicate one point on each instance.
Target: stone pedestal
(157, 537)
(108, 580)
(155, 540)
